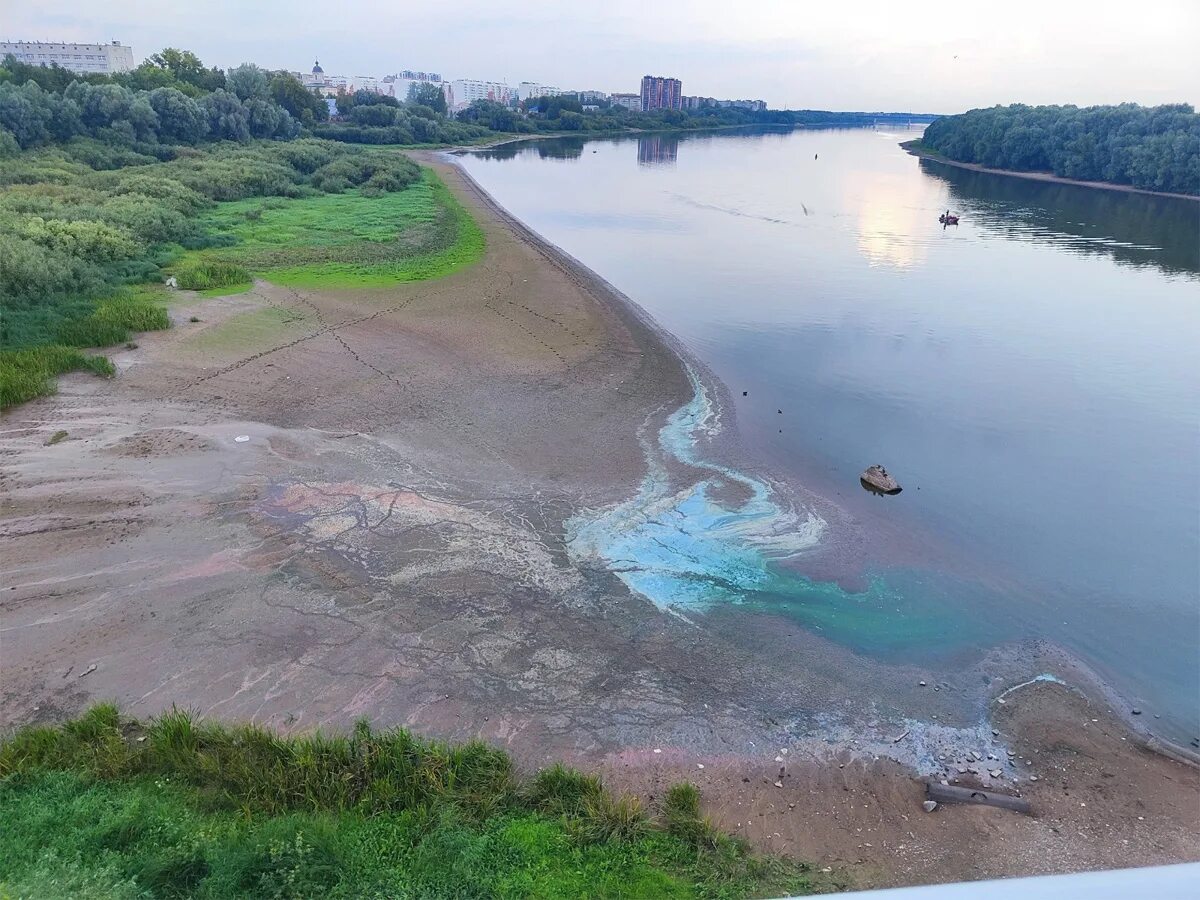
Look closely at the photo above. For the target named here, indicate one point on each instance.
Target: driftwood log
(948, 793)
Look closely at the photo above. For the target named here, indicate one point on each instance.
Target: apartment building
(85, 59)
(466, 91)
(659, 92)
(527, 89)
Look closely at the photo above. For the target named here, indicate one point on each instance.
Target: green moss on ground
(106, 807)
(249, 332)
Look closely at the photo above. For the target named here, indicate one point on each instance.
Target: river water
(1031, 377)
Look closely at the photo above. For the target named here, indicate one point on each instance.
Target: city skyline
(929, 56)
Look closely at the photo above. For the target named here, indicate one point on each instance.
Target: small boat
(877, 480)
(947, 219)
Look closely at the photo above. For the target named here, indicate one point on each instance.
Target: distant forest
(1155, 148)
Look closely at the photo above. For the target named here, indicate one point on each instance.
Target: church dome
(317, 70)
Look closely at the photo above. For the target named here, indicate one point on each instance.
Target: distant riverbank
(915, 148)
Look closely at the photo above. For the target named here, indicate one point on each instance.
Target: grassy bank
(348, 239)
(87, 234)
(108, 807)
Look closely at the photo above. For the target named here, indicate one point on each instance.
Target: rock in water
(877, 480)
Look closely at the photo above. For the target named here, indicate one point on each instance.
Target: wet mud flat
(392, 541)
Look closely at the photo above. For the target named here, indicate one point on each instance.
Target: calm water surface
(1031, 377)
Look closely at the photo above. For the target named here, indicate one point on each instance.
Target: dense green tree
(25, 113)
(490, 114)
(180, 118)
(248, 82)
(148, 77)
(227, 117)
(552, 107)
(303, 105)
(186, 67)
(376, 115)
(422, 93)
(1156, 148)
(269, 120)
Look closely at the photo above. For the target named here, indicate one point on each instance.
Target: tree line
(1150, 147)
(170, 99)
(566, 113)
(365, 117)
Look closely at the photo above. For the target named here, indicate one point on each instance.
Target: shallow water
(1030, 376)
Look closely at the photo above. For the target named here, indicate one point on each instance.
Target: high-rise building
(661, 93)
(86, 59)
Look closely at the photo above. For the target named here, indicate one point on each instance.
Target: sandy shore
(1041, 176)
(389, 543)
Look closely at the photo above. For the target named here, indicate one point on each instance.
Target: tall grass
(25, 374)
(206, 274)
(30, 372)
(177, 806)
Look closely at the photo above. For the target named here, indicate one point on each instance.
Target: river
(1030, 376)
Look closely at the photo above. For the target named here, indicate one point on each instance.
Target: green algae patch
(230, 291)
(251, 331)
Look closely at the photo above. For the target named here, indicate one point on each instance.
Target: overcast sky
(920, 55)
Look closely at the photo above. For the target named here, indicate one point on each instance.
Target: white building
(466, 91)
(629, 101)
(527, 89)
(401, 83)
(330, 85)
(86, 59)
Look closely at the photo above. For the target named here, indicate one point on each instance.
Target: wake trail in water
(733, 211)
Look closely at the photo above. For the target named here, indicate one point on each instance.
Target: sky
(916, 56)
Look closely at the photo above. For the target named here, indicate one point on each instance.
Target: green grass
(348, 239)
(25, 374)
(227, 291)
(73, 240)
(248, 332)
(211, 275)
(30, 372)
(176, 807)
